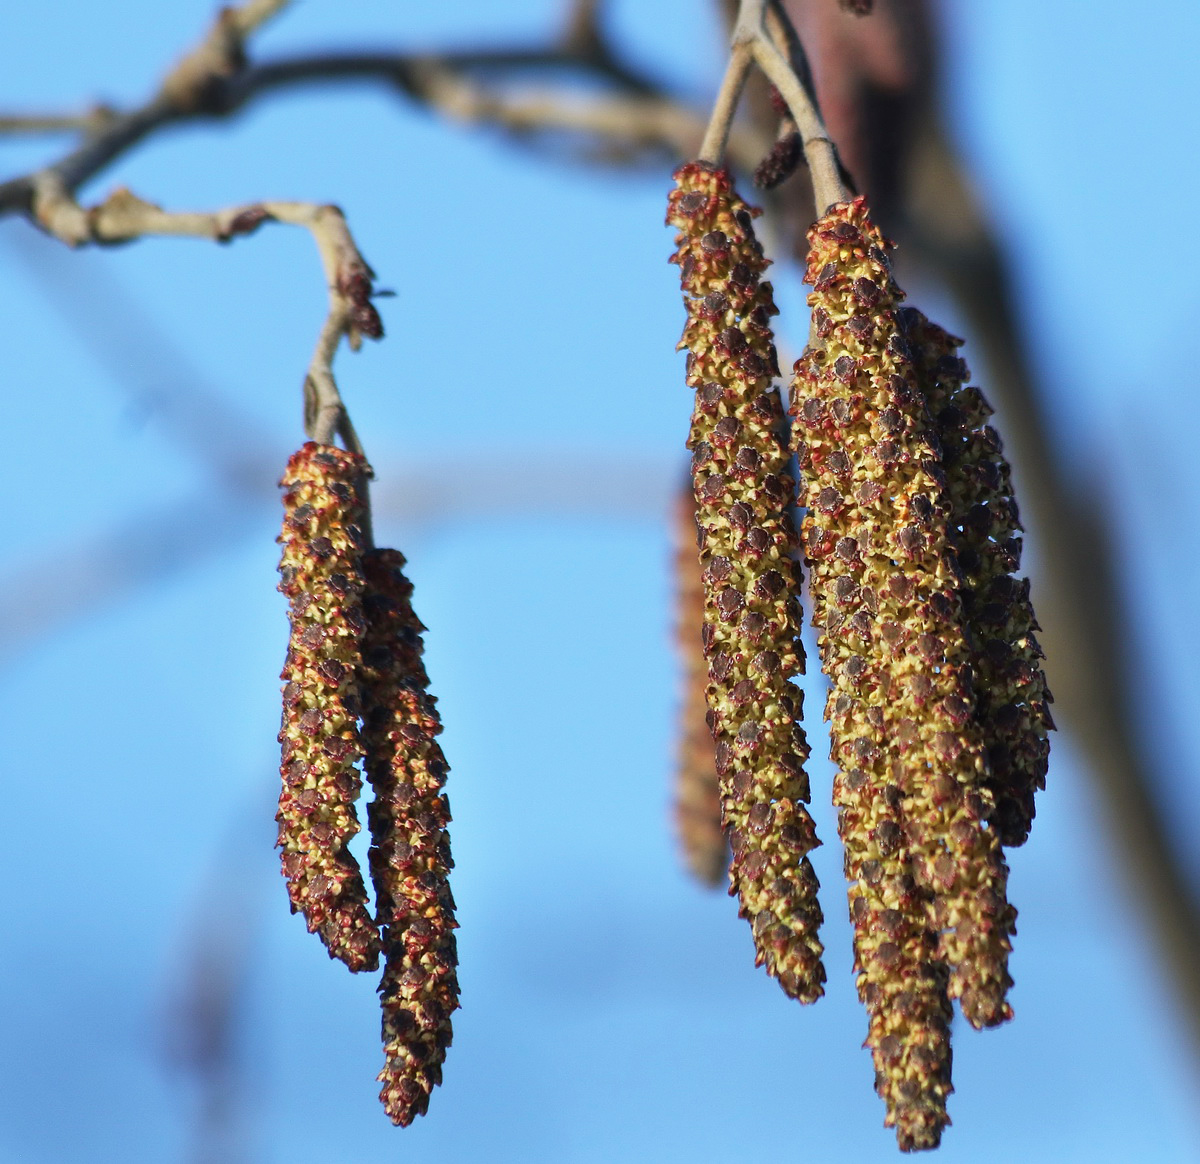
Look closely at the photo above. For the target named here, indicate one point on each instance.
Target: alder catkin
(751, 613)
(1012, 696)
(410, 852)
(914, 784)
(697, 786)
(322, 578)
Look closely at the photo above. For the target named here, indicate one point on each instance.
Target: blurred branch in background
(202, 1024)
(697, 786)
(876, 78)
(205, 1000)
(484, 86)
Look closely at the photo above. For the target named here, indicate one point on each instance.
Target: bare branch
(187, 88)
(123, 216)
(637, 113)
(716, 136)
(92, 120)
(636, 120)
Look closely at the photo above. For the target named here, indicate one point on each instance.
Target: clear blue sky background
(611, 1009)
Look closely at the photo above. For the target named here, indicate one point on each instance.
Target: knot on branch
(244, 222)
(121, 217)
(196, 80)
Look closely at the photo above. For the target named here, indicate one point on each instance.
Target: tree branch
(123, 216)
(638, 112)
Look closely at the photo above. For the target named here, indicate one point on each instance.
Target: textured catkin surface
(697, 786)
(745, 536)
(321, 576)
(410, 852)
(1012, 697)
(928, 880)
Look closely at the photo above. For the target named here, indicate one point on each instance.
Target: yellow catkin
(751, 614)
(697, 786)
(1012, 696)
(928, 880)
(322, 578)
(410, 852)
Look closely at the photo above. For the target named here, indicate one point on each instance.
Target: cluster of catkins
(355, 689)
(937, 701)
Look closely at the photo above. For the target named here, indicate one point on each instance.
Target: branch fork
(763, 35)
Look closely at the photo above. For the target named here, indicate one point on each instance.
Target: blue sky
(611, 1009)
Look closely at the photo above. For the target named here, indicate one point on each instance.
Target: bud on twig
(322, 579)
(410, 853)
(751, 615)
(781, 162)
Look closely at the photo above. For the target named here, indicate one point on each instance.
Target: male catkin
(321, 575)
(746, 537)
(1012, 697)
(928, 892)
(410, 850)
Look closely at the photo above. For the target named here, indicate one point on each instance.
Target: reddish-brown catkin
(697, 786)
(887, 600)
(410, 853)
(751, 612)
(322, 578)
(1012, 696)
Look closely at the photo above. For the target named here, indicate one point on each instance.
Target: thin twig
(214, 82)
(716, 136)
(791, 77)
(90, 121)
(123, 216)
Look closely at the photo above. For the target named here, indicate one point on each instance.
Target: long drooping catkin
(886, 584)
(322, 579)
(751, 614)
(410, 853)
(697, 786)
(1011, 688)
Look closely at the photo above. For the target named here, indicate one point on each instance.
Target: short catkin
(321, 575)
(410, 851)
(1012, 697)
(751, 613)
(697, 786)
(928, 879)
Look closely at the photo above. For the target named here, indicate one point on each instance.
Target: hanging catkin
(751, 614)
(1011, 688)
(410, 852)
(928, 880)
(321, 576)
